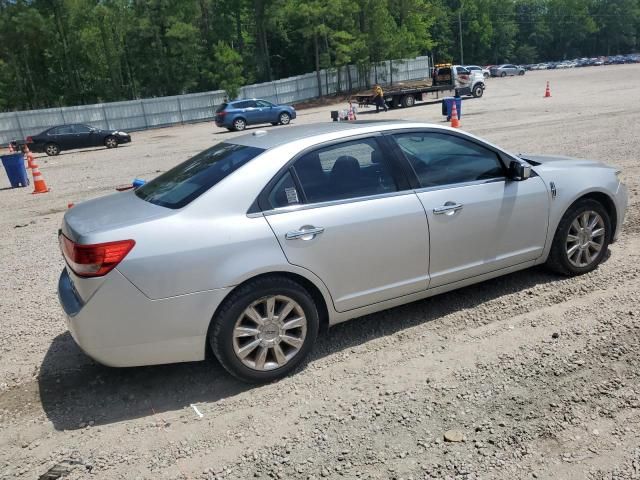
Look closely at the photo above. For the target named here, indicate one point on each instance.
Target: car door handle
(305, 233)
(448, 208)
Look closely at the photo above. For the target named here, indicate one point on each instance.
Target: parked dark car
(67, 137)
(238, 114)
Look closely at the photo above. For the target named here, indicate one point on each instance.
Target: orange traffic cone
(38, 181)
(547, 92)
(28, 156)
(455, 122)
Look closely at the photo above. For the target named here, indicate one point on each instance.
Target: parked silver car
(507, 69)
(253, 245)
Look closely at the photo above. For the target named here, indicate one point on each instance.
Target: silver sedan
(252, 246)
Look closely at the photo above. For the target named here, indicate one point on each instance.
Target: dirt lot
(540, 374)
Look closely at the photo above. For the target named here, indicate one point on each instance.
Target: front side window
(346, 170)
(81, 129)
(187, 181)
(441, 159)
(263, 104)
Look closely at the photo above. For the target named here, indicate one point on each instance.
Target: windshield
(187, 181)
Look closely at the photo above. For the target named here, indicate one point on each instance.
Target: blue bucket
(14, 166)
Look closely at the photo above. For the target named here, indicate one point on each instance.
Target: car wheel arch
(607, 202)
(320, 295)
(601, 197)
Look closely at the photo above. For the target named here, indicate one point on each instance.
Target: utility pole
(460, 32)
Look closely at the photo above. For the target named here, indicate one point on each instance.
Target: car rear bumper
(118, 326)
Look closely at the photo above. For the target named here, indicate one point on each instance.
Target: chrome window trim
(309, 206)
(470, 183)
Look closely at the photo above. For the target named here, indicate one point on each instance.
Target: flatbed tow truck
(445, 79)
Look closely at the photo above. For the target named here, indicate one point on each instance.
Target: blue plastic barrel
(447, 106)
(137, 182)
(14, 166)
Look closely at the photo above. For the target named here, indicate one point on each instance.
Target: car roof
(271, 138)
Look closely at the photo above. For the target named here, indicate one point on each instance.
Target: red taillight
(222, 114)
(29, 140)
(94, 260)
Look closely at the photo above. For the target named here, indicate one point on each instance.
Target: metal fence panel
(194, 107)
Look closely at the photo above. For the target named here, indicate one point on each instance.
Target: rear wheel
(408, 101)
(581, 240)
(52, 149)
(239, 124)
(503, 74)
(265, 329)
(521, 72)
(284, 118)
(111, 142)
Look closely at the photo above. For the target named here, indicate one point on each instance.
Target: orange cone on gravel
(547, 92)
(28, 155)
(455, 122)
(38, 180)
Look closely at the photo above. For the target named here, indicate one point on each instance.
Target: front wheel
(477, 91)
(521, 72)
(284, 118)
(581, 240)
(265, 329)
(110, 142)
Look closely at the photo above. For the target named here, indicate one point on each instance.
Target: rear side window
(187, 181)
(346, 170)
(64, 130)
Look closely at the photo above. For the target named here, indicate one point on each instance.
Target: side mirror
(519, 171)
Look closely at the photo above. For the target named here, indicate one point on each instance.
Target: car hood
(560, 161)
(106, 213)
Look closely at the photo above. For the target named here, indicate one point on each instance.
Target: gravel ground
(526, 376)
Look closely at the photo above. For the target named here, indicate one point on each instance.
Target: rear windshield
(186, 182)
(221, 108)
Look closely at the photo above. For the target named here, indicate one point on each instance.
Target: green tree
(229, 63)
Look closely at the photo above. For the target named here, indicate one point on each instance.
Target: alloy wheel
(111, 142)
(585, 239)
(52, 150)
(284, 118)
(269, 333)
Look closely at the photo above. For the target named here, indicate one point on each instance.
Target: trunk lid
(113, 211)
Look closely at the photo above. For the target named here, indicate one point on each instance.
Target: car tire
(521, 72)
(284, 118)
(231, 333)
(111, 142)
(485, 75)
(567, 250)
(52, 149)
(503, 74)
(477, 91)
(239, 124)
